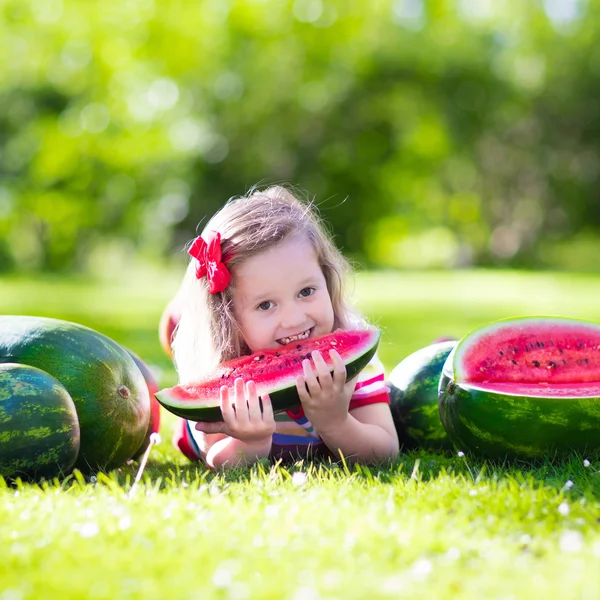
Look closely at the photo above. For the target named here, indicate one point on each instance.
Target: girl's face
(280, 295)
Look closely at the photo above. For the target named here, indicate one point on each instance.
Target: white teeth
(293, 338)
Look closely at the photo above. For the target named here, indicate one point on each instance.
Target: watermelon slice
(524, 387)
(274, 371)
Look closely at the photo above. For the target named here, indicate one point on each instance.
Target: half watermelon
(274, 371)
(525, 387)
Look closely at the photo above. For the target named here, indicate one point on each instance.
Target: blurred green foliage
(432, 133)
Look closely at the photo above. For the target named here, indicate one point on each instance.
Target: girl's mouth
(295, 338)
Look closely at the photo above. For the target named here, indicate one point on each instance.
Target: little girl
(262, 274)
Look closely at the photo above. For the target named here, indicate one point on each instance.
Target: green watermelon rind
(499, 425)
(39, 428)
(283, 395)
(413, 387)
(92, 367)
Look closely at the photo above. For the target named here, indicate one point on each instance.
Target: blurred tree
(430, 132)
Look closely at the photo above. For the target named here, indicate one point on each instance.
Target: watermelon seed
(551, 364)
(536, 363)
(124, 391)
(513, 361)
(501, 353)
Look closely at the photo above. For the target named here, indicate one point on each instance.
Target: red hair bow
(210, 264)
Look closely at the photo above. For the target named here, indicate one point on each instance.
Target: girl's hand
(325, 396)
(243, 418)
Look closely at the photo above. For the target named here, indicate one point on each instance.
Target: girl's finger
(309, 377)
(323, 370)
(302, 389)
(254, 412)
(211, 427)
(241, 405)
(267, 409)
(339, 369)
(226, 406)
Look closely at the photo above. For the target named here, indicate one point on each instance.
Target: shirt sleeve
(370, 387)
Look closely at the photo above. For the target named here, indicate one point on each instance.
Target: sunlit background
(432, 133)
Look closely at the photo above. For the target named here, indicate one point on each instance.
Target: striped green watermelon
(39, 428)
(109, 391)
(414, 397)
(524, 387)
(274, 371)
(154, 421)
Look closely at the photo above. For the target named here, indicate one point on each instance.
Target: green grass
(428, 526)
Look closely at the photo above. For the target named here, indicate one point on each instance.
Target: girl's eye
(308, 291)
(266, 305)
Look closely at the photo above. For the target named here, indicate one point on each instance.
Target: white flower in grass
(453, 553)
(571, 541)
(568, 485)
(223, 575)
(299, 478)
(586, 463)
(525, 539)
(89, 529)
(421, 568)
(306, 593)
(461, 453)
(564, 509)
(124, 522)
(393, 584)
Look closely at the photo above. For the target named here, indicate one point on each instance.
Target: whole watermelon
(109, 391)
(39, 428)
(154, 421)
(414, 397)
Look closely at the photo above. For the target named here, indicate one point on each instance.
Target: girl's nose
(292, 316)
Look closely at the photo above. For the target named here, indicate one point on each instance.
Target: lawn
(428, 526)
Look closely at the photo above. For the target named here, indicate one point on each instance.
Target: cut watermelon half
(527, 386)
(274, 372)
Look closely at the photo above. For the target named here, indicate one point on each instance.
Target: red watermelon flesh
(274, 371)
(532, 356)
